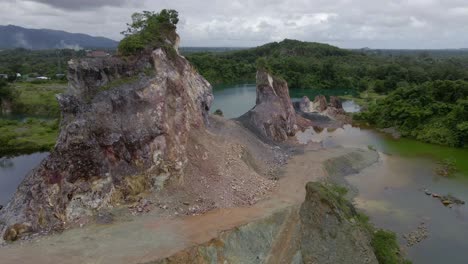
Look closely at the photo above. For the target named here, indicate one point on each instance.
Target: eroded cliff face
(324, 229)
(273, 116)
(125, 125)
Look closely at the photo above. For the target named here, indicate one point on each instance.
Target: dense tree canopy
(434, 112)
(36, 62)
(149, 29)
(315, 65)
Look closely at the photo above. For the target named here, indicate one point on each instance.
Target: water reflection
(13, 171)
(392, 193)
(351, 107)
(236, 100)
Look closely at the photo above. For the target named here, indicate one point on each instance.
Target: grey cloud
(84, 4)
(346, 23)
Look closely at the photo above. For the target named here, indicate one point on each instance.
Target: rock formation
(335, 102)
(320, 103)
(125, 124)
(317, 110)
(273, 117)
(323, 230)
(305, 105)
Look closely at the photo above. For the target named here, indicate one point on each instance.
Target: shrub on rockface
(149, 30)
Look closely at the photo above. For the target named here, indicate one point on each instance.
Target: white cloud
(346, 23)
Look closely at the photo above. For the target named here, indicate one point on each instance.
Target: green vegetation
(386, 248)
(37, 99)
(149, 30)
(434, 112)
(28, 136)
(33, 63)
(319, 66)
(23, 136)
(446, 168)
(422, 94)
(7, 95)
(384, 243)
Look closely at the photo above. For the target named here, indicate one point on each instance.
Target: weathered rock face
(335, 102)
(305, 105)
(321, 231)
(273, 116)
(320, 103)
(124, 126)
(330, 232)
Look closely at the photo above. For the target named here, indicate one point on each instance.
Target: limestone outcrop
(273, 117)
(125, 125)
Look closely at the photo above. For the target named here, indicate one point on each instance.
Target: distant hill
(38, 39)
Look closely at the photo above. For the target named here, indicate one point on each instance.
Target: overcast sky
(349, 24)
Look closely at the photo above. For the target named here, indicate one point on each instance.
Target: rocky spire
(273, 116)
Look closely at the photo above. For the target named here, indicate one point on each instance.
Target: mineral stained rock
(123, 122)
(273, 117)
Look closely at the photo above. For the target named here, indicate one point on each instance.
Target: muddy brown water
(392, 193)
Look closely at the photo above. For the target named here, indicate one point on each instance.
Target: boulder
(273, 116)
(320, 103)
(305, 105)
(125, 123)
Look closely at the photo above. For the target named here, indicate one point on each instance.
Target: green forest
(309, 65)
(34, 63)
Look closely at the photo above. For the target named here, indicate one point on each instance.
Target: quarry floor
(146, 238)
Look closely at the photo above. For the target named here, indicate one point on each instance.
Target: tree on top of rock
(149, 30)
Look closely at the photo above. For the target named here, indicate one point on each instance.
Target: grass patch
(386, 248)
(27, 136)
(38, 99)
